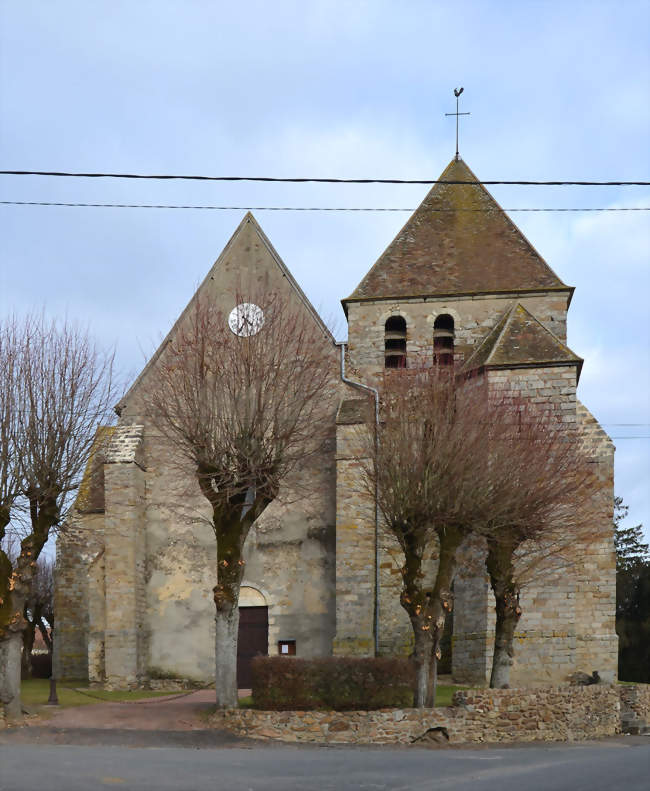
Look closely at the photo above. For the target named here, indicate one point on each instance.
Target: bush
(339, 683)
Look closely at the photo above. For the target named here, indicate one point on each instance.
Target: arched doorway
(253, 638)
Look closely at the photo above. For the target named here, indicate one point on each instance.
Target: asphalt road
(601, 766)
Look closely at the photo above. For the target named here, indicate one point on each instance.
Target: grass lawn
(443, 697)
(36, 691)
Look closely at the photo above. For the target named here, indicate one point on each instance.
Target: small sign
(287, 647)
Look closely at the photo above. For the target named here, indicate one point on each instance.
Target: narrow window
(443, 340)
(395, 342)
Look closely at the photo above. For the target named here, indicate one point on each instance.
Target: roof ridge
(490, 339)
(546, 329)
(508, 320)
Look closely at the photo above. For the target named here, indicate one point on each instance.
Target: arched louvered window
(395, 342)
(443, 340)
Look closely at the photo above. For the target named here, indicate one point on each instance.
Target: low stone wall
(511, 715)
(635, 707)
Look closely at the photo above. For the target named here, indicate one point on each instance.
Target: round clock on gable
(246, 319)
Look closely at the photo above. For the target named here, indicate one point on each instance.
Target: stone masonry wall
(77, 546)
(355, 548)
(124, 558)
(568, 612)
(635, 707)
(476, 716)
(473, 317)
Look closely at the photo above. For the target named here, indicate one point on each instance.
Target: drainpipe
(375, 393)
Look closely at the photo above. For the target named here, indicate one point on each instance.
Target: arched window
(395, 342)
(443, 340)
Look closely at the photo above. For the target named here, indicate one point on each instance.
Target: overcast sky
(557, 90)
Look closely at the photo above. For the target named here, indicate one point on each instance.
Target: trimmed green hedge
(339, 683)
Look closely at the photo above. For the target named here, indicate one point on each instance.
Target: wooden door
(253, 640)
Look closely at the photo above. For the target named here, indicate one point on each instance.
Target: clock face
(246, 319)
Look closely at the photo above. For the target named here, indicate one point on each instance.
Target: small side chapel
(459, 283)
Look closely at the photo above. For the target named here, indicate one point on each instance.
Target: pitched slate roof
(458, 241)
(519, 339)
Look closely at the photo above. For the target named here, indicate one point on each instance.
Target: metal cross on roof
(457, 93)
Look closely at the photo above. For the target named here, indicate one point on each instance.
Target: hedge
(339, 683)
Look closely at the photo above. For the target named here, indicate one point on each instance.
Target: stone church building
(460, 285)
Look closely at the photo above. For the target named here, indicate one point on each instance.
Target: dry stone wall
(635, 707)
(476, 716)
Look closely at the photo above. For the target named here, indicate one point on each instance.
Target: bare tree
(245, 408)
(57, 387)
(542, 487)
(427, 468)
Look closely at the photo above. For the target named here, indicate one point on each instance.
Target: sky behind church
(556, 90)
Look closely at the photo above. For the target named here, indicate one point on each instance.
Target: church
(459, 284)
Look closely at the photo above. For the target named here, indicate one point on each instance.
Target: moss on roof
(517, 339)
(458, 241)
(353, 411)
(90, 496)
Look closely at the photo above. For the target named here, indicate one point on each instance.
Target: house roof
(518, 339)
(458, 241)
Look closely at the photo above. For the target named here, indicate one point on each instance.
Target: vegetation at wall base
(632, 599)
(338, 683)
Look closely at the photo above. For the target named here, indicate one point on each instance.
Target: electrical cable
(300, 208)
(296, 180)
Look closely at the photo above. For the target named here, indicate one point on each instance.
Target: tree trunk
(422, 658)
(231, 536)
(10, 646)
(29, 633)
(442, 600)
(500, 566)
(227, 623)
(504, 633)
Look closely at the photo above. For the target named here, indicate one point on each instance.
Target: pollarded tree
(57, 387)
(245, 406)
(542, 509)
(428, 469)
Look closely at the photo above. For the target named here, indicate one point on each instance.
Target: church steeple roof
(458, 241)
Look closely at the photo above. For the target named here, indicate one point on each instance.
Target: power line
(296, 180)
(301, 208)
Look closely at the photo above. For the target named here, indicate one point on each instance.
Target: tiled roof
(458, 241)
(518, 338)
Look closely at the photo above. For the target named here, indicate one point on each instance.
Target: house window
(395, 342)
(443, 340)
(287, 647)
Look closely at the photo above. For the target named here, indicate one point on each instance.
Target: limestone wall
(355, 544)
(473, 317)
(77, 547)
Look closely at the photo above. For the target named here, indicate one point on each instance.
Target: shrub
(339, 683)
